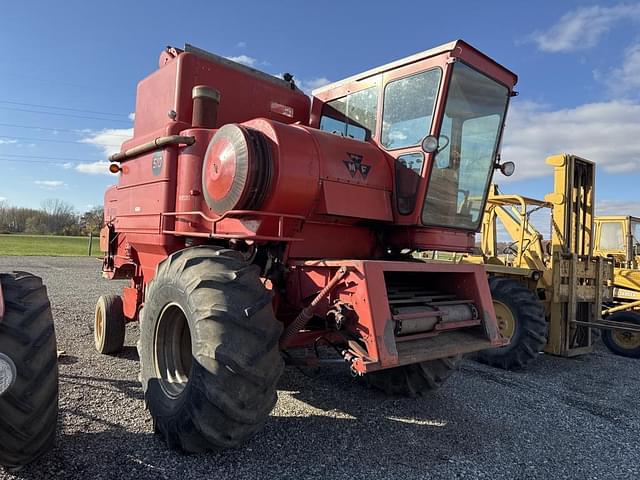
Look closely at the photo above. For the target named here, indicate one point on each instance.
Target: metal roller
(424, 318)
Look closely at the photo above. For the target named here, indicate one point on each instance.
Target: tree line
(54, 217)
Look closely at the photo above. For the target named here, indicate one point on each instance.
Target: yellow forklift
(548, 295)
(618, 238)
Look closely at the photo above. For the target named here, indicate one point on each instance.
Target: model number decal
(156, 163)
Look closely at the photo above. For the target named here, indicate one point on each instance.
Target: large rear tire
(414, 380)
(29, 408)
(625, 344)
(209, 351)
(521, 318)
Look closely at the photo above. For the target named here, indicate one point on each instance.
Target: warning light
(114, 168)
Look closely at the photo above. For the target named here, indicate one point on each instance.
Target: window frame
(498, 144)
(369, 134)
(433, 111)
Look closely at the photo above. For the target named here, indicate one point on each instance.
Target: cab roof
(432, 52)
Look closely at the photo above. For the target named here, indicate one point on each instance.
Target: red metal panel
(347, 200)
(365, 288)
(130, 301)
(242, 96)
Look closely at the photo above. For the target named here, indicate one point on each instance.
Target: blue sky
(578, 64)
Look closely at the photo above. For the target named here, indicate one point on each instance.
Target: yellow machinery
(618, 238)
(547, 295)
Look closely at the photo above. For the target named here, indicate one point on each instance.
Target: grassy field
(47, 245)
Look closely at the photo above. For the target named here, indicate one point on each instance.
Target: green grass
(50, 245)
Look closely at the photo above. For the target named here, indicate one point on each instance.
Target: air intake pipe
(205, 107)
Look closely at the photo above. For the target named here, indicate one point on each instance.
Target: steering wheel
(510, 249)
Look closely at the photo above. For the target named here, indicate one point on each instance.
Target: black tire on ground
(29, 409)
(413, 380)
(625, 344)
(530, 330)
(109, 324)
(209, 353)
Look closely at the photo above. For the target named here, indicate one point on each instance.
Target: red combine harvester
(256, 224)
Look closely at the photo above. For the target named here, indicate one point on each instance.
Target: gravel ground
(563, 418)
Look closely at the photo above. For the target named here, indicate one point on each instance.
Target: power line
(13, 160)
(79, 110)
(76, 131)
(63, 159)
(75, 142)
(64, 115)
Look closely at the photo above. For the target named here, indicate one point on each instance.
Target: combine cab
(255, 224)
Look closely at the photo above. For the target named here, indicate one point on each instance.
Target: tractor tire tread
(530, 335)
(29, 409)
(236, 359)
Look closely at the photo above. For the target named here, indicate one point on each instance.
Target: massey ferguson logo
(355, 165)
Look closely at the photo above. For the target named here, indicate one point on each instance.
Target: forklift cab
(618, 237)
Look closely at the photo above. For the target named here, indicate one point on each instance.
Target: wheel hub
(627, 340)
(172, 350)
(506, 320)
(8, 373)
(98, 331)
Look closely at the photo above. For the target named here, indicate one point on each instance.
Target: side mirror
(507, 168)
(430, 144)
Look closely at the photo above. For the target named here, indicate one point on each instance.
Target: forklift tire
(29, 408)
(209, 352)
(526, 324)
(625, 344)
(414, 380)
(109, 324)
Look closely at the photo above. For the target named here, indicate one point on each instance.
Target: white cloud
(132, 116)
(241, 44)
(7, 141)
(582, 28)
(618, 207)
(309, 85)
(244, 59)
(94, 168)
(67, 165)
(50, 184)
(108, 140)
(607, 133)
(625, 79)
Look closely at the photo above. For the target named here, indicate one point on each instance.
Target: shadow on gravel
(108, 454)
(344, 430)
(128, 352)
(65, 359)
(131, 388)
(371, 428)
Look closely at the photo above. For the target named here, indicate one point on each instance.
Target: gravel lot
(575, 418)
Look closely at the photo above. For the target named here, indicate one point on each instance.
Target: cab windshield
(469, 138)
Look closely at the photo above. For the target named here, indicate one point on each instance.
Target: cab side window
(408, 109)
(352, 116)
(611, 236)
